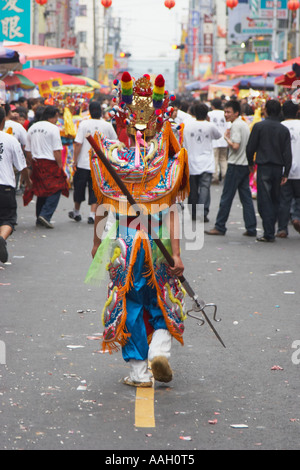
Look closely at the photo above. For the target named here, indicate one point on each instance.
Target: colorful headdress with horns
(140, 106)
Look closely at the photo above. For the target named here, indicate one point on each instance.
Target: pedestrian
(11, 156)
(82, 177)
(290, 191)
(271, 142)
(217, 117)
(43, 151)
(12, 126)
(181, 111)
(198, 138)
(145, 304)
(237, 175)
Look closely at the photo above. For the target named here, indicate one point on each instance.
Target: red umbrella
(261, 67)
(38, 75)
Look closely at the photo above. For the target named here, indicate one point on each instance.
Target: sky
(149, 28)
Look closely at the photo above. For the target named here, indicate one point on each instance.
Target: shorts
(81, 180)
(8, 206)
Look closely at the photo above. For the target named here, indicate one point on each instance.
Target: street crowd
(250, 148)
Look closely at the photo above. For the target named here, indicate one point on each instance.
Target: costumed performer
(145, 302)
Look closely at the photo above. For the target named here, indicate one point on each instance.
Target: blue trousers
(236, 179)
(141, 297)
(46, 206)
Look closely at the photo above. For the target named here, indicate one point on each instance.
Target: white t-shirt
(198, 137)
(183, 117)
(91, 126)
(43, 138)
(18, 131)
(11, 155)
(217, 118)
(293, 126)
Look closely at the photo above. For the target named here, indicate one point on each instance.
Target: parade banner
(45, 88)
(15, 20)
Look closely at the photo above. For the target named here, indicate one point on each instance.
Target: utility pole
(274, 32)
(95, 40)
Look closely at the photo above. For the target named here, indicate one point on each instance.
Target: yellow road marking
(144, 408)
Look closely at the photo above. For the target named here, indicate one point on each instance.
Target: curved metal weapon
(199, 305)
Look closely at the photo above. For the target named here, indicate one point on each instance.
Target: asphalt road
(58, 392)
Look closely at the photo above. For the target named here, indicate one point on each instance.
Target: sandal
(129, 381)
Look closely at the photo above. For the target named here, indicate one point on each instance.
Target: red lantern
(41, 2)
(106, 3)
(170, 4)
(232, 3)
(293, 5)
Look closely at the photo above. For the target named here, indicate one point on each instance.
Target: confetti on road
(239, 426)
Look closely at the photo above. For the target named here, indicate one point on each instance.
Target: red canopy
(39, 75)
(262, 67)
(37, 52)
(288, 63)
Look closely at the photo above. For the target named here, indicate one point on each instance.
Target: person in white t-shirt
(181, 114)
(290, 191)
(11, 156)
(82, 178)
(44, 151)
(217, 117)
(198, 137)
(14, 127)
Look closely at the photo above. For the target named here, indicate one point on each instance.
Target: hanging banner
(45, 88)
(15, 20)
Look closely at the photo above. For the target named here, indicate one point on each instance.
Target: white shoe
(44, 222)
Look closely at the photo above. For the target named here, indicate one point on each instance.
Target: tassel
(138, 142)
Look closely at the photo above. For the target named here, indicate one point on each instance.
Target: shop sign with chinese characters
(15, 20)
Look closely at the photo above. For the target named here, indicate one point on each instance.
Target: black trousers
(268, 196)
(8, 206)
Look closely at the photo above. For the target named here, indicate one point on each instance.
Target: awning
(61, 68)
(37, 76)
(90, 82)
(223, 88)
(228, 83)
(261, 67)
(10, 60)
(18, 80)
(199, 85)
(258, 83)
(37, 52)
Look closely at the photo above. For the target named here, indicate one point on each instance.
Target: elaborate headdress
(139, 106)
